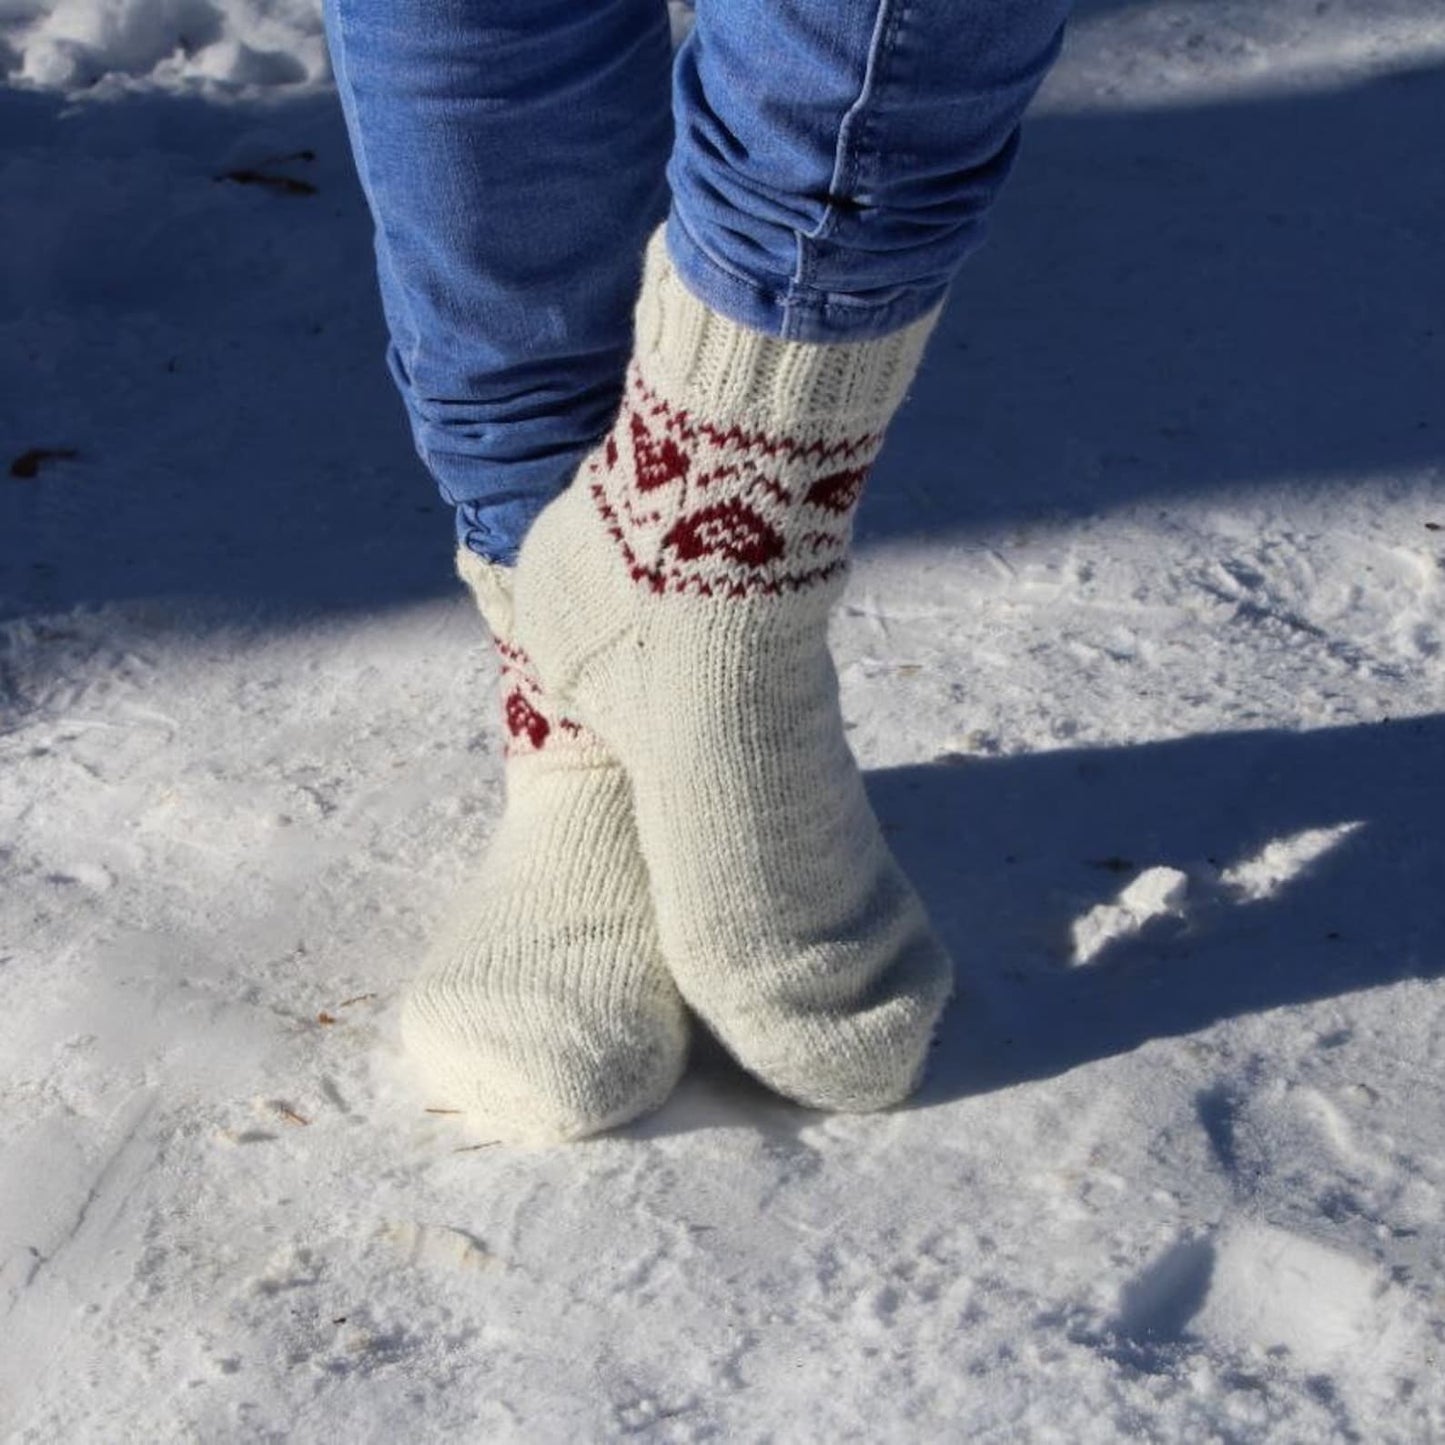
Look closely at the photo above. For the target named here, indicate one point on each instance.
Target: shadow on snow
(1172, 304)
(1009, 853)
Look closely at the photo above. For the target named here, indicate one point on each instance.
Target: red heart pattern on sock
(726, 511)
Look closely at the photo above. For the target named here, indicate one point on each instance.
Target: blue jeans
(833, 164)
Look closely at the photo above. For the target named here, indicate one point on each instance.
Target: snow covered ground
(1144, 659)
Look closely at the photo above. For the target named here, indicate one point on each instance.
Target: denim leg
(836, 159)
(513, 154)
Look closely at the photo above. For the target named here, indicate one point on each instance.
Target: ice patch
(1163, 892)
(1273, 1290)
(1155, 893)
(1260, 1289)
(1282, 860)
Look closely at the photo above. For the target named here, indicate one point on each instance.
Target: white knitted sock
(677, 597)
(545, 1010)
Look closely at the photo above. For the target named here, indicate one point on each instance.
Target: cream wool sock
(545, 1011)
(677, 597)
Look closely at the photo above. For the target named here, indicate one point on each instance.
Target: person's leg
(513, 154)
(834, 163)
(544, 1010)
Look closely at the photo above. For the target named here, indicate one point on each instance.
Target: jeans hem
(816, 316)
(488, 550)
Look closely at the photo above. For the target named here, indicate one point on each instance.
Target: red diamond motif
(730, 529)
(657, 462)
(838, 491)
(523, 720)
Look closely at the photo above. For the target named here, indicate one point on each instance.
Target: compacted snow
(1143, 656)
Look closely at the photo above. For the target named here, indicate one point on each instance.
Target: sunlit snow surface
(1143, 656)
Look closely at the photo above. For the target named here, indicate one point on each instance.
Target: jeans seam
(845, 153)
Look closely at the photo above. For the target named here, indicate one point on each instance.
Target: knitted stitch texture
(677, 597)
(544, 1011)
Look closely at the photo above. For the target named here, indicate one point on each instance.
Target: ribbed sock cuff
(696, 357)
